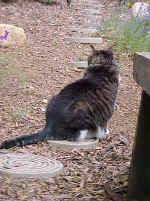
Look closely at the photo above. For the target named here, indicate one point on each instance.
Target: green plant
(50, 1)
(7, 66)
(127, 32)
(19, 114)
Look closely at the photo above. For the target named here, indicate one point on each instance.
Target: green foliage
(19, 114)
(127, 32)
(8, 67)
(4, 68)
(50, 1)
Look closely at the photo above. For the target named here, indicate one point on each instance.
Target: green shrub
(127, 32)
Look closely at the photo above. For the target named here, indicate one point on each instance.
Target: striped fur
(83, 108)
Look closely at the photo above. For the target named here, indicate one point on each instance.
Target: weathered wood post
(139, 175)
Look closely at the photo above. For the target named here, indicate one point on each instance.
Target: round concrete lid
(29, 166)
(68, 145)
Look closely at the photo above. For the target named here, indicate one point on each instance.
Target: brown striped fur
(83, 108)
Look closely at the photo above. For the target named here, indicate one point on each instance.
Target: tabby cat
(82, 109)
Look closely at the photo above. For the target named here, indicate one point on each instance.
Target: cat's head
(101, 57)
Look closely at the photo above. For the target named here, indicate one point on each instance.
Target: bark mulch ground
(38, 71)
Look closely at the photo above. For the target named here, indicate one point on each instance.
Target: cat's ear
(110, 50)
(93, 49)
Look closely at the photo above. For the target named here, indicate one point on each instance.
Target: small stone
(43, 109)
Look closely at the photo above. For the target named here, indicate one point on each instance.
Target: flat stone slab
(89, 6)
(92, 20)
(141, 70)
(91, 25)
(29, 166)
(93, 17)
(91, 11)
(66, 145)
(84, 30)
(85, 40)
(80, 64)
(93, 2)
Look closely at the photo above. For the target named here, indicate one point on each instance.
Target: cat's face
(101, 57)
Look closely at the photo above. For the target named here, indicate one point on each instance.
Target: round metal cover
(29, 166)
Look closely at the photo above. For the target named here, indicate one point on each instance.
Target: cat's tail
(42, 135)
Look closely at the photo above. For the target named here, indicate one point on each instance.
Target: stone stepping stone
(92, 11)
(88, 12)
(92, 21)
(21, 165)
(88, 5)
(92, 17)
(84, 30)
(67, 145)
(93, 2)
(11, 36)
(85, 40)
(90, 25)
(80, 64)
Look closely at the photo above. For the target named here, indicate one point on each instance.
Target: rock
(140, 9)
(11, 36)
(83, 30)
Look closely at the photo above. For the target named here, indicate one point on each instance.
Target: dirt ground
(38, 71)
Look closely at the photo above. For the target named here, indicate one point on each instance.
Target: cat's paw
(106, 131)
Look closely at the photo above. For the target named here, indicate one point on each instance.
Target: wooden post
(139, 176)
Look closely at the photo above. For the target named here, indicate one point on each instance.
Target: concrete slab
(88, 11)
(92, 21)
(91, 25)
(92, 6)
(85, 13)
(66, 145)
(92, 11)
(141, 70)
(80, 64)
(92, 3)
(84, 30)
(85, 40)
